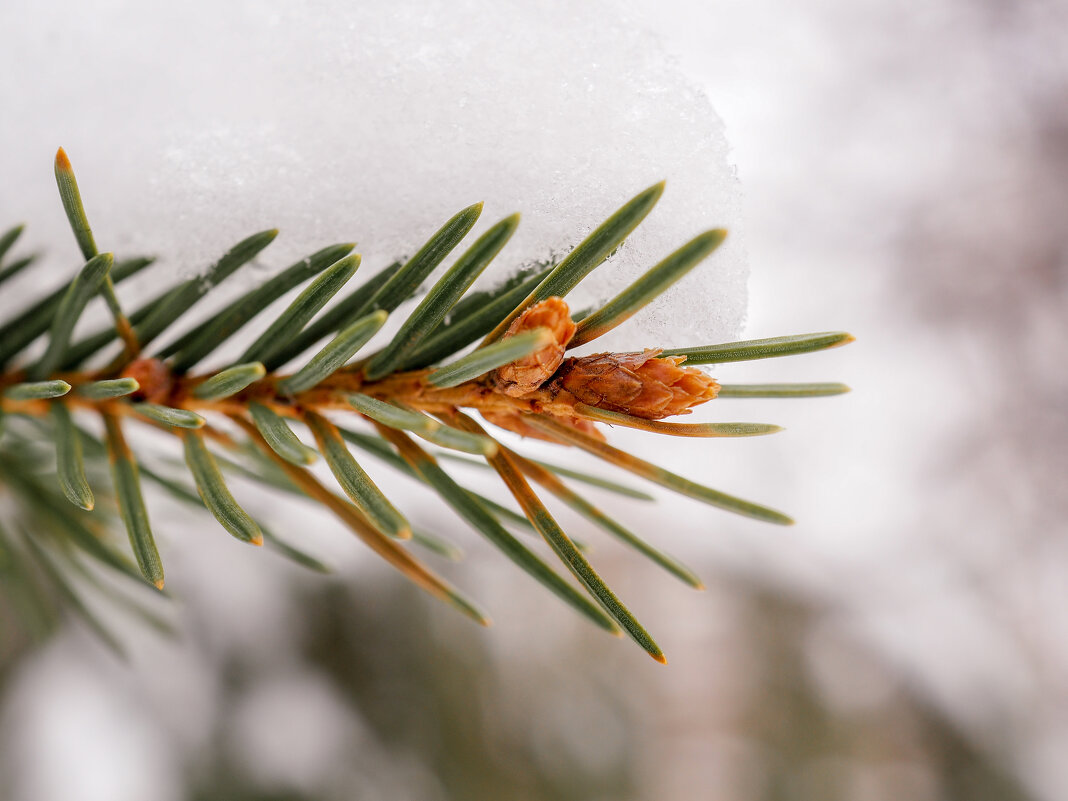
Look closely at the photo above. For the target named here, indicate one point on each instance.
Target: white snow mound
(194, 124)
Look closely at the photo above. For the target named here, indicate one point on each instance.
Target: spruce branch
(423, 383)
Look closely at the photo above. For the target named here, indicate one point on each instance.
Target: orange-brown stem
(556, 397)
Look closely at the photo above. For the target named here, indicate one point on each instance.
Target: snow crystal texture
(194, 124)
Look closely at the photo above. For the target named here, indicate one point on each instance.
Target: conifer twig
(421, 383)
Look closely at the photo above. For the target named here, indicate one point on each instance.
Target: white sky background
(850, 124)
(870, 142)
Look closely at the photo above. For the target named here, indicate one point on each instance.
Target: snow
(192, 125)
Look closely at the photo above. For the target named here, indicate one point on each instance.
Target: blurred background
(905, 175)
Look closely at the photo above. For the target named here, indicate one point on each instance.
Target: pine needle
(279, 436)
(335, 354)
(81, 290)
(354, 480)
(341, 314)
(70, 466)
(491, 357)
(676, 429)
(79, 223)
(751, 349)
(169, 416)
(229, 381)
(570, 555)
(35, 320)
(781, 390)
(214, 492)
(389, 414)
(17, 267)
(658, 475)
(202, 340)
(362, 528)
(647, 288)
(131, 503)
(108, 388)
(37, 390)
(577, 475)
(306, 305)
(181, 299)
(407, 279)
(587, 255)
(468, 508)
(441, 298)
(9, 238)
(468, 323)
(542, 476)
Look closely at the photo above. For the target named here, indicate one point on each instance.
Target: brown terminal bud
(638, 384)
(153, 377)
(527, 374)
